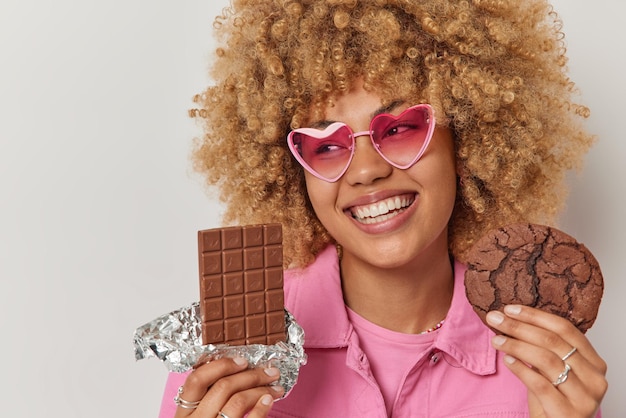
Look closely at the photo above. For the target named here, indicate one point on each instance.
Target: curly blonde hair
(493, 70)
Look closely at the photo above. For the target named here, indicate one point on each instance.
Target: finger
(262, 407)
(199, 381)
(232, 393)
(249, 402)
(561, 327)
(566, 399)
(184, 407)
(535, 335)
(543, 349)
(537, 384)
(540, 368)
(589, 366)
(552, 339)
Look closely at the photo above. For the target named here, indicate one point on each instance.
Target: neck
(409, 299)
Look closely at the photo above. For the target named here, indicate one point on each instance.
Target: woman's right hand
(227, 388)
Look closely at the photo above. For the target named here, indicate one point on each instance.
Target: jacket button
(434, 357)
(361, 365)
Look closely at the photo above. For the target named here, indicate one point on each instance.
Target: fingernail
(277, 388)
(240, 361)
(513, 309)
(509, 360)
(267, 400)
(272, 371)
(498, 340)
(495, 317)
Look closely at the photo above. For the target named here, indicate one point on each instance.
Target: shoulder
(314, 296)
(326, 264)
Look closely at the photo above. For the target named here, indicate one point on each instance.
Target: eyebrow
(383, 109)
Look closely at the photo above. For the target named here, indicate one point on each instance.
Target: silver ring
(222, 415)
(568, 355)
(183, 403)
(563, 376)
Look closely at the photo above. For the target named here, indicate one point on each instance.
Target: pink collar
(315, 298)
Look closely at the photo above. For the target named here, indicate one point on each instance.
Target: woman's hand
(227, 388)
(538, 348)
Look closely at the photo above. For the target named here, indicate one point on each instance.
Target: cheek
(449, 171)
(447, 178)
(437, 173)
(322, 195)
(446, 164)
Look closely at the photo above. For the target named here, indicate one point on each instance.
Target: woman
(413, 127)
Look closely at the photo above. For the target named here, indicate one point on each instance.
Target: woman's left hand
(538, 348)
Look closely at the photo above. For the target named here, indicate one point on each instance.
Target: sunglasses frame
(334, 127)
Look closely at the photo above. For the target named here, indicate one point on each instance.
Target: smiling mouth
(383, 210)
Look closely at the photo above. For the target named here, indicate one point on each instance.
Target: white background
(99, 207)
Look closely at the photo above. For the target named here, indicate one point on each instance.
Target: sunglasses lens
(325, 153)
(404, 138)
(401, 140)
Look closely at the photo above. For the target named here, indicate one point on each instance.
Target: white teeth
(380, 218)
(381, 211)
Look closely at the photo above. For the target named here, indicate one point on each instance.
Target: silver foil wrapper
(175, 339)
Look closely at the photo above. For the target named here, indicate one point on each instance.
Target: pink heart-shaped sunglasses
(400, 140)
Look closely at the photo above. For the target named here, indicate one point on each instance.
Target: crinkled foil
(175, 339)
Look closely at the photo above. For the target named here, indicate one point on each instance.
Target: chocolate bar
(241, 285)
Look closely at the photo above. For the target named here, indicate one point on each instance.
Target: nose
(367, 165)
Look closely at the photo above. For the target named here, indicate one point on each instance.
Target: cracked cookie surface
(538, 266)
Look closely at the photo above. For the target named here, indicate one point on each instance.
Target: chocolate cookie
(538, 266)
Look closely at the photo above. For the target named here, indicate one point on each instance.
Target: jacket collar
(316, 301)
(463, 336)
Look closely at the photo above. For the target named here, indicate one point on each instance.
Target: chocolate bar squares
(241, 285)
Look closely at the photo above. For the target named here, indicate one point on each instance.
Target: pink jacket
(460, 375)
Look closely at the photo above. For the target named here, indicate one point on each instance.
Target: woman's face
(381, 215)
